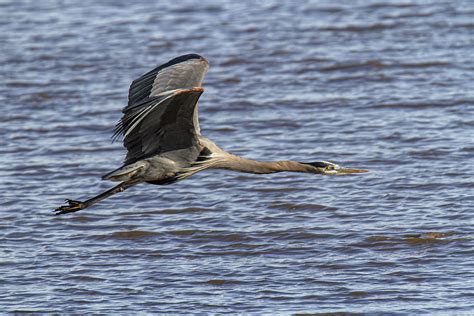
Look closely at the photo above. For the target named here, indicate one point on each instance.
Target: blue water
(381, 85)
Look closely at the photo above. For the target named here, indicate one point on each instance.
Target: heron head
(329, 168)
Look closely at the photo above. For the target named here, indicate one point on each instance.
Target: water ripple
(381, 85)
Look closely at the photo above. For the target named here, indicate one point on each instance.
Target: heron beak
(344, 171)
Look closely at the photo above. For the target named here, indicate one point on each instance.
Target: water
(382, 85)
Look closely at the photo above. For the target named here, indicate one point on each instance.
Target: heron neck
(242, 164)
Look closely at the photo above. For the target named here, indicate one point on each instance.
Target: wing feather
(162, 114)
(161, 124)
(183, 72)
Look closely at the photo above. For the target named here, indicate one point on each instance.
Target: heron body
(160, 129)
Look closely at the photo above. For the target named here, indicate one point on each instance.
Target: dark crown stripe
(317, 164)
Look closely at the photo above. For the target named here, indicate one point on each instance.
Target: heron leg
(74, 206)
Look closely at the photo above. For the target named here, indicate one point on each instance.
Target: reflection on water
(385, 86)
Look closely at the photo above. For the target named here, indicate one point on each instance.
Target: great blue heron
(164, 144)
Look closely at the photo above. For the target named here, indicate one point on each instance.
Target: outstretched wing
(183, 72)
(160, 124)
(161, 114)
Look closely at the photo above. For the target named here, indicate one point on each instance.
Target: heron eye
(330, 168)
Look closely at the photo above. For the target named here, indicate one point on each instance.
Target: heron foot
(71, 207)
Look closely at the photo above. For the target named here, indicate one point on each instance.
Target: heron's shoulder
(210, 145)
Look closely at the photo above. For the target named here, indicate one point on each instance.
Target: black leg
(74, 206)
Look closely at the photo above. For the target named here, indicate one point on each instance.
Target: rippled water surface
(382, 85)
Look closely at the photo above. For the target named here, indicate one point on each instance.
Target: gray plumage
(160, 124)
(160, 129)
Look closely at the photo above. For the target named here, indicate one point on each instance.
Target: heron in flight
(161, 133)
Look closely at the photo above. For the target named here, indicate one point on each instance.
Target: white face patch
(331, 168)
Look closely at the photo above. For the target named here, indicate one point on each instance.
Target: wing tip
(184, 58)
